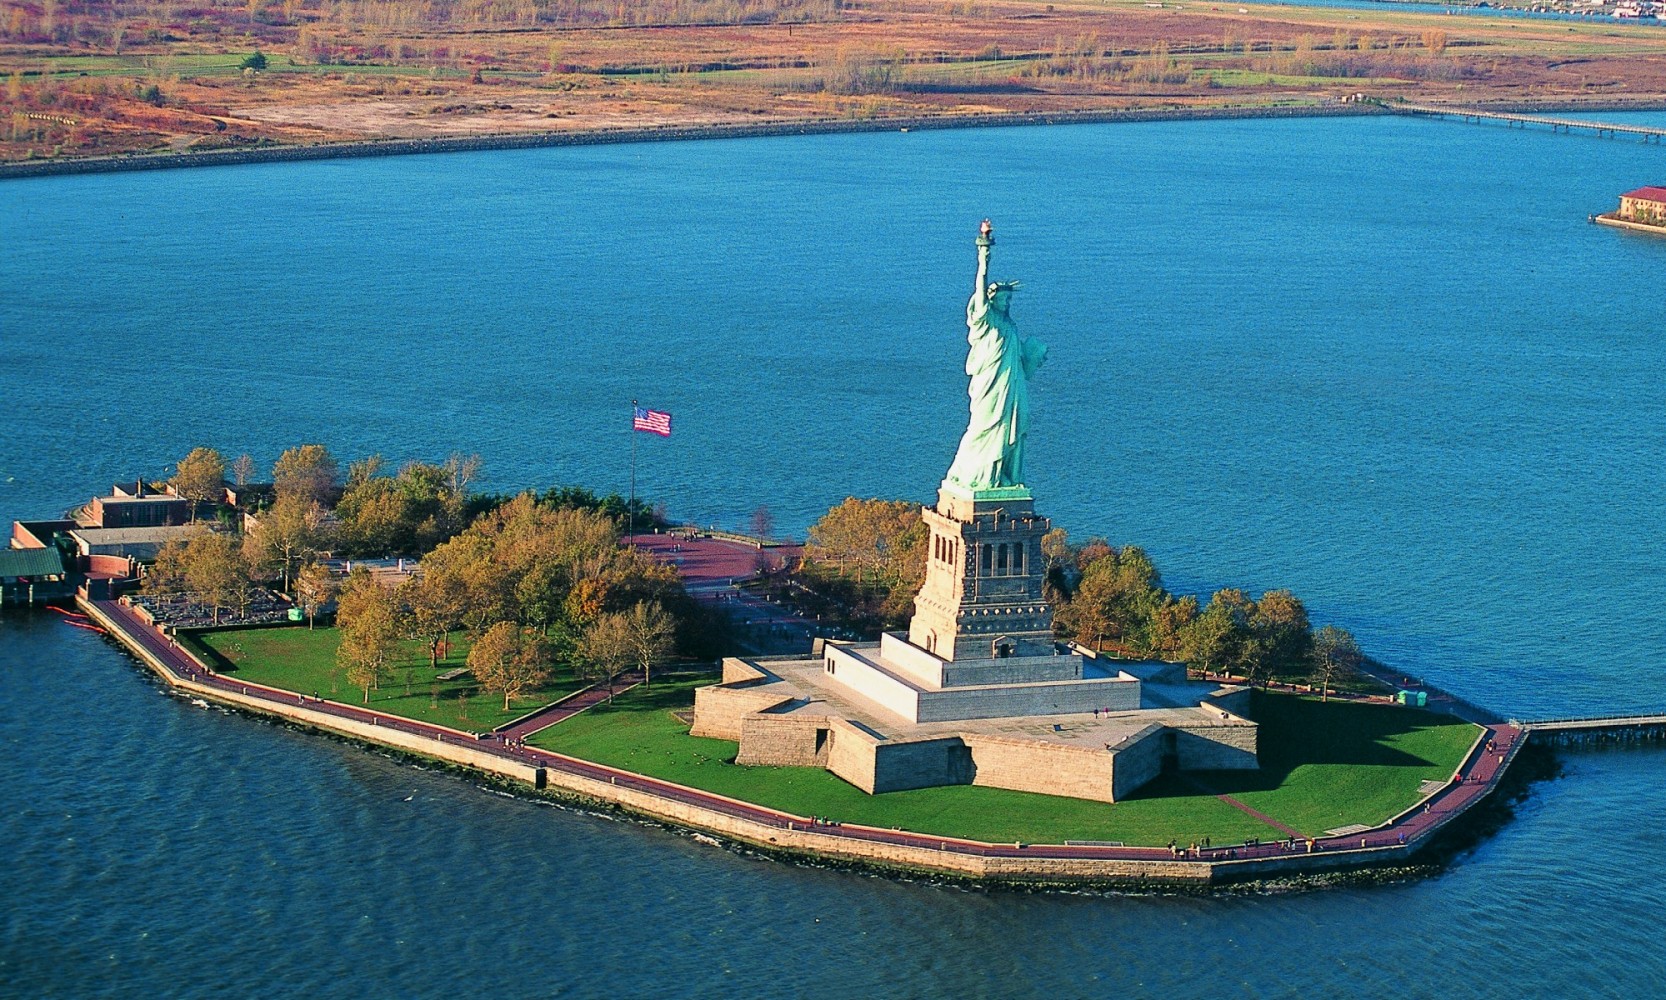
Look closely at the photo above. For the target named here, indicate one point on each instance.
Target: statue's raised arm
(986, 239)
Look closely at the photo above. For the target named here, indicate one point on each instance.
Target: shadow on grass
(1298, 731)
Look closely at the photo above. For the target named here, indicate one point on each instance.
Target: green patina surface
(303, 661)
(1325, 766)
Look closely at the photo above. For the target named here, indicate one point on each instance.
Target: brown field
(94, 77)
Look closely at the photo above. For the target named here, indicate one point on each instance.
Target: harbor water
(1384, 362)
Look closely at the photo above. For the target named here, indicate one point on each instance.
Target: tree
(875, 548)
(215, 570)
(308, 471)
(314, 586)
(255, 60)
(1284, 638)
(1168, 624)
(1213, 639)
(1117, 597)
(509, 658)
(1335, 655)
(167, 574)
(605, 649)
(435, 603)
(242, 470)
(462, 469)
(368, 618)
(200, 477)
(638, 637)
(763, 522)
(292, 529)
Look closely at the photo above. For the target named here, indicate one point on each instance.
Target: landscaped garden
(1324, 765)
(304, 661)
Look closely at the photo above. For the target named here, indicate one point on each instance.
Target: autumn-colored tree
(510, 658)
(1282, 633)
(603, 652)
(215, 571)
(367, 616)
(1211, 640)
(1117, 597)
(308, 471)
(1335, 655)
(1168, 624)
(167, 574)
(435, 604)
(294, 528)
(314, 586)
(874, 548)
(200, 477)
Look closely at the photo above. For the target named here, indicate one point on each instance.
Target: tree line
(866, 559)
(535, 579)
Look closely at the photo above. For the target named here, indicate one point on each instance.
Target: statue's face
(1002, 298)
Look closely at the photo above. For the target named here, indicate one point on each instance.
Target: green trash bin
(296, 615)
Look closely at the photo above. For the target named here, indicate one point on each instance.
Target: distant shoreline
(665, 133)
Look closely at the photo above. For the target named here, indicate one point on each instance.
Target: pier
(1648, 133)
(1644, 728)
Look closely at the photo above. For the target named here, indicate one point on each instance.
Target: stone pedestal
(982, 595)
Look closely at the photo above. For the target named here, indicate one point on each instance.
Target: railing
(1648, 132)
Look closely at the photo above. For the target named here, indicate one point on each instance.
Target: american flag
(652, 421)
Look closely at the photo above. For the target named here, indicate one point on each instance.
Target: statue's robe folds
(999, 363)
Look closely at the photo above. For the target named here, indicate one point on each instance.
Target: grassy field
(303, 661)
(82, 82)
(1325, 766)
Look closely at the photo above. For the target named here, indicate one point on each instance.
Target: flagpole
(630, 506)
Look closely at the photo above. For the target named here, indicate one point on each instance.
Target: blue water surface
(1385, 362)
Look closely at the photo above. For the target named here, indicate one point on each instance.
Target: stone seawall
(770, 830)
(668, 133)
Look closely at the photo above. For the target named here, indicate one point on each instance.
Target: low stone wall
(720, 709)
(1047, 768)
(1217, 748)
(785, 741)
(1057, 698)
(871, 682)
(458, 747)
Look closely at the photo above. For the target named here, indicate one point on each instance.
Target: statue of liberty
(999, 363)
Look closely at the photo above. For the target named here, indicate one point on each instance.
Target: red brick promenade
(1477, 777)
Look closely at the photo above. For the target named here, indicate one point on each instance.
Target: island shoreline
(779, 835)
(278, 153)
(20, 169)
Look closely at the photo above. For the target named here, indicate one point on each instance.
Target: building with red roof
(1646, 205)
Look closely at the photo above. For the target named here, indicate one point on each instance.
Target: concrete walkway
(1478, 775)
(711, 568)
(566, 708)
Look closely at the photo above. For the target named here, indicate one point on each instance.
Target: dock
(1640, 728)
(1647, 133)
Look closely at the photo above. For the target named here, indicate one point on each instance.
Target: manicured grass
(1336, 764)
(303, 661)
(1325, 766)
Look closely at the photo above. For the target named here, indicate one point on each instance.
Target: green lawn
(303, 660)
(1330, 765)
(1325, 765)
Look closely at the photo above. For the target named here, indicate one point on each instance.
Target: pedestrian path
(566, 708)
(1479, 773)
